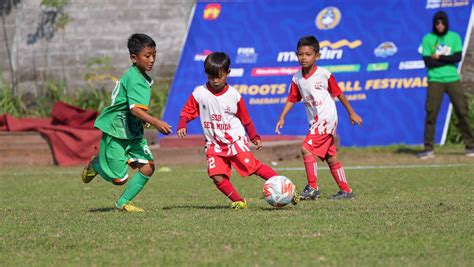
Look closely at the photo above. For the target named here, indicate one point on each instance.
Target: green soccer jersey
(445, 45)
(132, 90)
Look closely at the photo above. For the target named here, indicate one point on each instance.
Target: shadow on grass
(108, 209)
(275, 209)
(196, 207)
(408, 150)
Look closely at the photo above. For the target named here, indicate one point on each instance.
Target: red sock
(226, 187)
(339, 176)
(311, 168)
(265, 172)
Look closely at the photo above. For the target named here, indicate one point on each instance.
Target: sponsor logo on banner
(327, 50)
(382, 66)
(328, 18)
(385, 49)
(202, 56)
(246, 55)
(411, 65)
(211, 11)
(431, 4)
(275, 71)
(236, 72)
(343, 68)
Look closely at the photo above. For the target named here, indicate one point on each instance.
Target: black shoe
(310, 193)
(343, 195)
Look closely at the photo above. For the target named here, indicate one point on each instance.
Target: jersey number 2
(211, 163)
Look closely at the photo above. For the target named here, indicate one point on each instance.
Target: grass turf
(418, 216)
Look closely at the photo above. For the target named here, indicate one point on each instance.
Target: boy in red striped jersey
(317, 88)
(226, 123)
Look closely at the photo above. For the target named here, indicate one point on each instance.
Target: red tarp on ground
(70, 132)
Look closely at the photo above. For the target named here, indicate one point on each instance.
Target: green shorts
(116, 154)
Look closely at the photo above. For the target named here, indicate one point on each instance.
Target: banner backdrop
(373, 49)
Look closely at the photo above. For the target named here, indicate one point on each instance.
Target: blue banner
(373, 49)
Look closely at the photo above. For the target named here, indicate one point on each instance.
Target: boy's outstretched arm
(354, 117)
(281, 121)
(143, 115)
(189, 112)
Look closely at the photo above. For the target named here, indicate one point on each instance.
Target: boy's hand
(181, 132)
(279, 125)
(163, 127)
(355, 118)
(258, 144)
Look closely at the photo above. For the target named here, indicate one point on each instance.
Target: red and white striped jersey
(224, 119)
(317, 90)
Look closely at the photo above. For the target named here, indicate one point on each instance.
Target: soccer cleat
(129, 208)
(88, 173)
(310, 193)
(296, 198)
(343, 195)
(239, 205)
(470, 152)
(427, 154)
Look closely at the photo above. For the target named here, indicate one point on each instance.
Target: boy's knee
(148, 169)
(331, 160)
(305, 151)
(120, 181)
(217, 179)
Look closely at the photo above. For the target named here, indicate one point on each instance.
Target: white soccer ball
(278, 191)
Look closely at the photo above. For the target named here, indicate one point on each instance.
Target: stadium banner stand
(373, 48)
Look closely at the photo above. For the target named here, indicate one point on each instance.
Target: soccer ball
(278, 191)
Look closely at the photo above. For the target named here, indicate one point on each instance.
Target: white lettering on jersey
(319, 103)
(223, 130)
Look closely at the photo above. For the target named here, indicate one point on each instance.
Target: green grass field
(404, 215)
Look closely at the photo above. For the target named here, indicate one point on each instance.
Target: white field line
(368, 167)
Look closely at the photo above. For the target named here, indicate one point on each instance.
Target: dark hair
(309, 41)
(440, 15)
(138, 41)
(215, 63)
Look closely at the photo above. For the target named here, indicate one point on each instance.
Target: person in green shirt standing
(122, 125)
(442, 50)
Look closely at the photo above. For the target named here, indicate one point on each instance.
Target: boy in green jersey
(122, 123)
(442, 50)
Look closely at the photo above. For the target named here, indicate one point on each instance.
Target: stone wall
(98, 30)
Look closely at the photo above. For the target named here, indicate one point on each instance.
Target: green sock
(134, 186)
